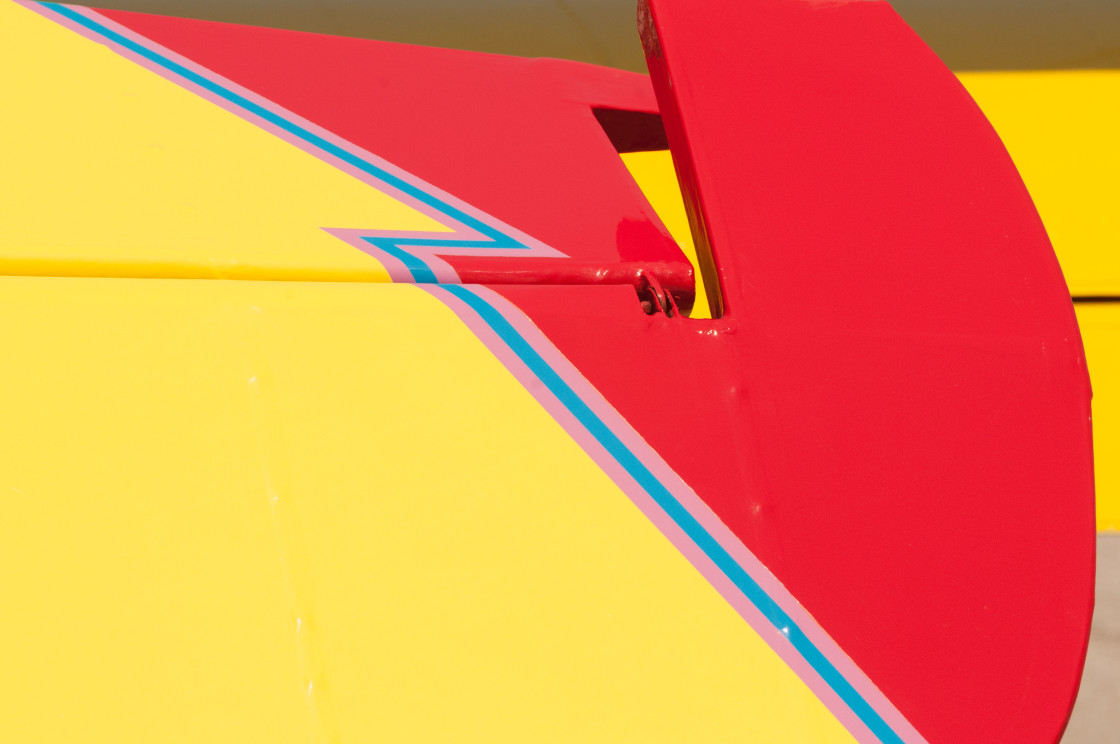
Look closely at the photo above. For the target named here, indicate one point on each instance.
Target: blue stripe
(498, 239)
(421, 272)
(677, 512)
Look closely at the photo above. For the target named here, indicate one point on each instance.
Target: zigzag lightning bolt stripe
(658, 491)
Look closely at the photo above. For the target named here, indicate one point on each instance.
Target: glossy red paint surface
(893, 412)
(910, 380)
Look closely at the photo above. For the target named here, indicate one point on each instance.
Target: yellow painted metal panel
(108, 164)
(1061, 128)
(658, 180)
(1100, 330)
(268, 511)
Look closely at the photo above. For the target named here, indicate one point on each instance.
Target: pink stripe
(459, 231)
(688, 498)
(525, 376)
